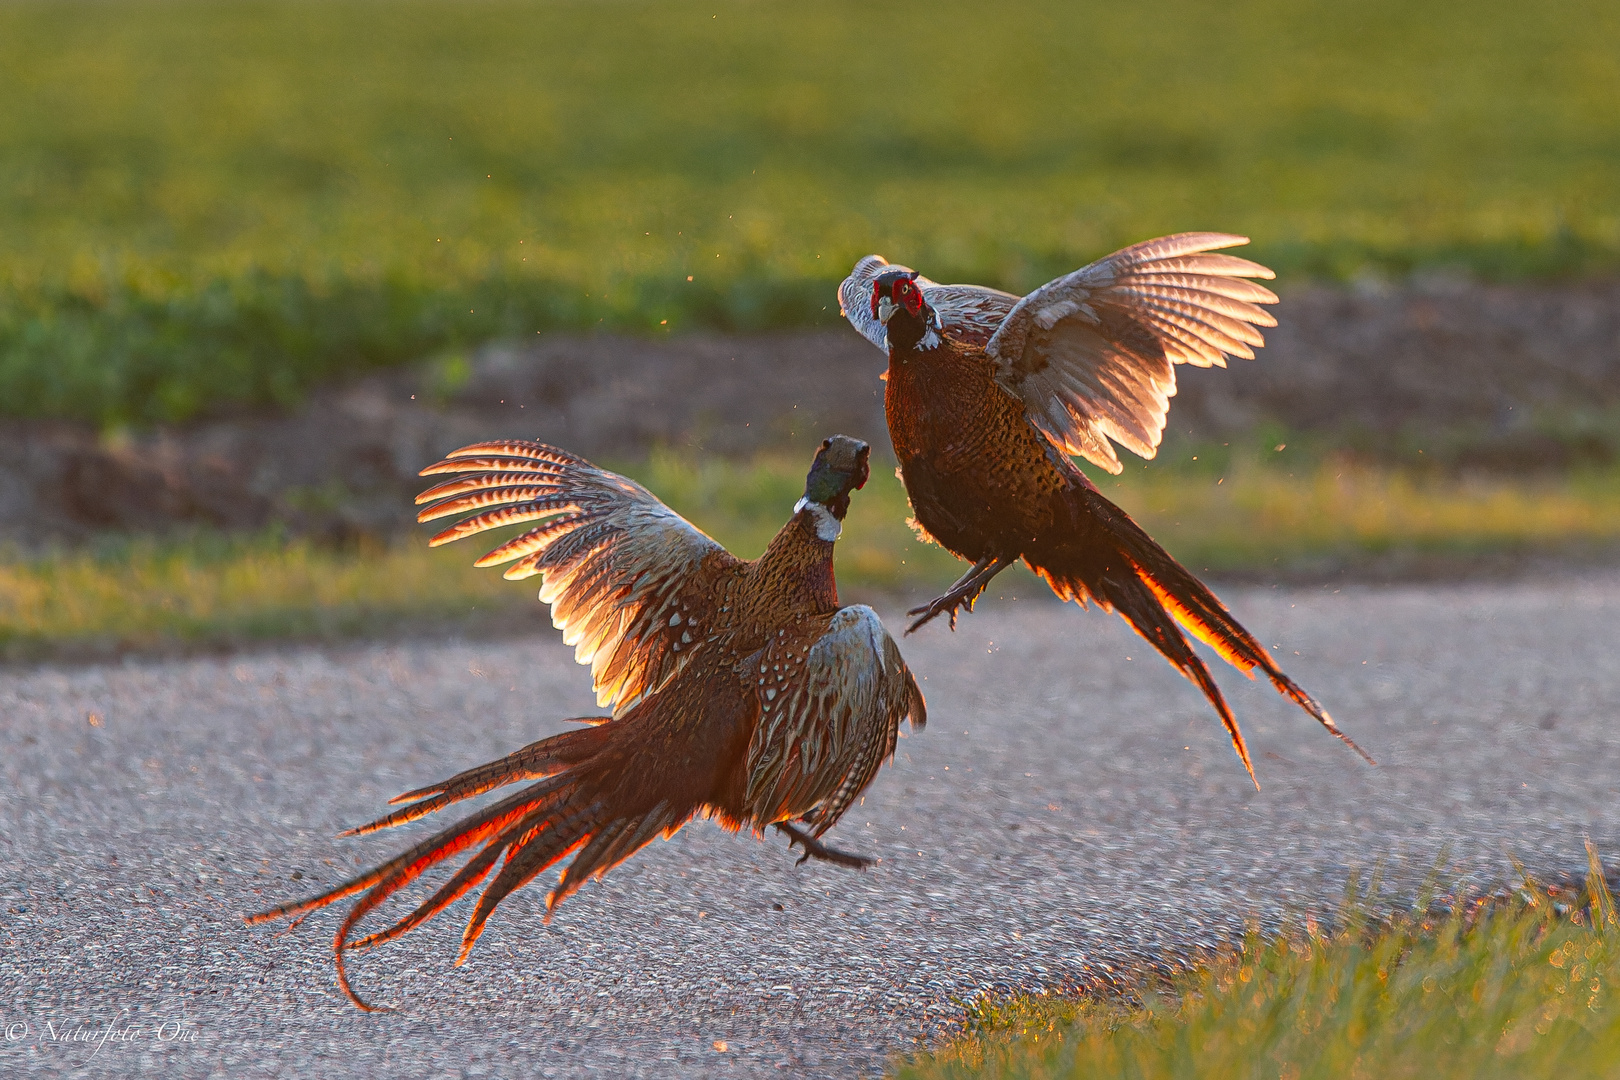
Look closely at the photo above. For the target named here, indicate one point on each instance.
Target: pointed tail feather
(1115, 586)
(561, 829)
(1107, 556)
(383, 881)
(539, 759)
(528, 857)
(610, 847)
(1193, 604)
(533, 829)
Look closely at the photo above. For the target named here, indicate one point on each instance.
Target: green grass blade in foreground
(1519, 992)
(206, 204)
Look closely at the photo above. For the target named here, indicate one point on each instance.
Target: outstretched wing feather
(630, 582)
(1186, 299)
(1092, 354)
(1232, 288)
(543, 497)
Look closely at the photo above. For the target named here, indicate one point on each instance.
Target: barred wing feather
(832, 696)
(970, 314)
(632, 585)
(1091, 354)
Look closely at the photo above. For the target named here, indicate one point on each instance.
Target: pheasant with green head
(740, 691)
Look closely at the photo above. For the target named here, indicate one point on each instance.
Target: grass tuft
(1522, 989)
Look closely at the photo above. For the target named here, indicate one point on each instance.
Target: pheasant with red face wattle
(988, 394)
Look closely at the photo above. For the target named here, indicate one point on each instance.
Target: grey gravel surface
(1073, 808)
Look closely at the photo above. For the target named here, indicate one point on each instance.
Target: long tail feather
(1198, 609)
(539, 759)
(383, 881)
(607, 851)
(534, 828)
(532, 856)
(465, 880)
(1118, 588)
(510, 841)
(1112, 560)
(436, 848)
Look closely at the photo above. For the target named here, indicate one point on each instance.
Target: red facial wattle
(903, 293)
(908, 296)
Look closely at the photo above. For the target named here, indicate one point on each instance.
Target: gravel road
(1072, 808)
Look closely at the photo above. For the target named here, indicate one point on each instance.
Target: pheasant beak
(886, 309)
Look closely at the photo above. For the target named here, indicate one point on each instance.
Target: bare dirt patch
(1490, 377)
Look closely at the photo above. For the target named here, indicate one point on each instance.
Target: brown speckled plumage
(987, 394)
(741, 690)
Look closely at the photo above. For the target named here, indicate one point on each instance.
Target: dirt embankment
(1483, 370)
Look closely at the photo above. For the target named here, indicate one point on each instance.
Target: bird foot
(815, 849)
(949, 604)
(961, 595)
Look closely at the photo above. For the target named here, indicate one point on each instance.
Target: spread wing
(831, 697)
(632, 584)
(969, 313)
(1091, 354)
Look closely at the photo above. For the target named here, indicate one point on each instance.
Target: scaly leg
(815, 849)
(963, 593)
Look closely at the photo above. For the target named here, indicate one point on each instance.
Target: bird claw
(968, 588)
(815, 849)
(949, 604)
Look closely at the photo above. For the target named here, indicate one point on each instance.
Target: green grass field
(1521, 992)
(1230, 513)
(207, 204)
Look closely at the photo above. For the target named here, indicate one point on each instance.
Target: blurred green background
(207, 208)
(215, 204)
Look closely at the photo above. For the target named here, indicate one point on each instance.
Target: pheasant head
(897, 303)
(841, 466)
